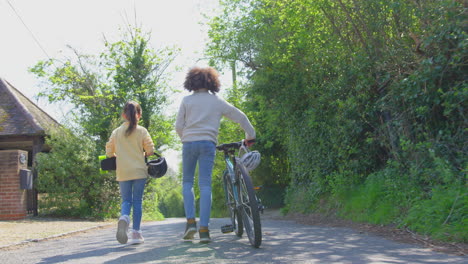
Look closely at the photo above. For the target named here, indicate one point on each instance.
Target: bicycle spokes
(249, 209)
(231, 197)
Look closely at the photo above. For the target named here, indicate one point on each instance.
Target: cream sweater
(200, 115)
(129, 151)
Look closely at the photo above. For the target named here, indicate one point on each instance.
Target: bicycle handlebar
(234, 145)
(229, 146)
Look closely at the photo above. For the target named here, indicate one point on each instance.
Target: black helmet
(157, 168)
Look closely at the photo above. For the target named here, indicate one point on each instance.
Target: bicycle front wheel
(249, 207)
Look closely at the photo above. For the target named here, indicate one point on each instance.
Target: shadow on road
(283, 242)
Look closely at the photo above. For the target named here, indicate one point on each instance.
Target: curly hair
(199, 78)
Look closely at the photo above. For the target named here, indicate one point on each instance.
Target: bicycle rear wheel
(236, 218)
(249, 207)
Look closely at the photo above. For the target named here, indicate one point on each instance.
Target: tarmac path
(283, 242)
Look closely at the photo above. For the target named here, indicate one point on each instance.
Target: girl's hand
(249, 142)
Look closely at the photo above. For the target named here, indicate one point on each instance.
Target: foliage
(357, 103)
(171, 200)
(99, 86)
(70, 183)
(85, 192)
(443, 215)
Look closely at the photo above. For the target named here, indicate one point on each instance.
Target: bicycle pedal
(261, 208)
(227, 228)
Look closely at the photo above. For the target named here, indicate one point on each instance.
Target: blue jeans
(132, 196)
(202, 152)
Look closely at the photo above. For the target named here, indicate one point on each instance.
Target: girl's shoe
(136, 237)
(122, 229)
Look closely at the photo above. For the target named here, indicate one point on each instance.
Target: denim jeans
(132, 196)
(203, 153)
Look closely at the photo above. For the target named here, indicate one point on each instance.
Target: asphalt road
(283, 242)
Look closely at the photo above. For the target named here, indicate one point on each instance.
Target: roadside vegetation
(359, 105)
(359, 108)
(97, 87)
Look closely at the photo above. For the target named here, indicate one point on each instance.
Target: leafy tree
(354, 94)
(99, 86)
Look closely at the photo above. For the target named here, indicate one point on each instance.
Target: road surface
(283, 242)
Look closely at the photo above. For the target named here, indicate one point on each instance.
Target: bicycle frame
(230, 162)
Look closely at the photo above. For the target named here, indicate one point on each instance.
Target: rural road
(283, 242)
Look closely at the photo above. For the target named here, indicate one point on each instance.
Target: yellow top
(129, 151)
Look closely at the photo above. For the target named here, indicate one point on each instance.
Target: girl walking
(129, 143)
(197, 125)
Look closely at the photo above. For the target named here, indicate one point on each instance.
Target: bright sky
(82, 24)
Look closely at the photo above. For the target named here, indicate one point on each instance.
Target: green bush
(300, 198)
(171, 201)
(376, 201)
(271, 196)
(444, 215)
(373, 124)
(69, 182)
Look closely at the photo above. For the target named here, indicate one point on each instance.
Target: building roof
(19, 116)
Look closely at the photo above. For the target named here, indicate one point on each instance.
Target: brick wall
(13, 201)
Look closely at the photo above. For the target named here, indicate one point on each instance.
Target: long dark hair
(131, 109)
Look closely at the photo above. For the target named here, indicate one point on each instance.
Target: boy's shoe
(136, 237)
(204, 236)
(122, 229)
(190, 229)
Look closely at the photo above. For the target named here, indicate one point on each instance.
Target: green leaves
(99, 86)
(70, 183)
(344, 89)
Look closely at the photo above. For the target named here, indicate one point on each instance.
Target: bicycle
(243, 204)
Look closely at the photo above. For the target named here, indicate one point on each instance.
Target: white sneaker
(122, 229)
(136, 237)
